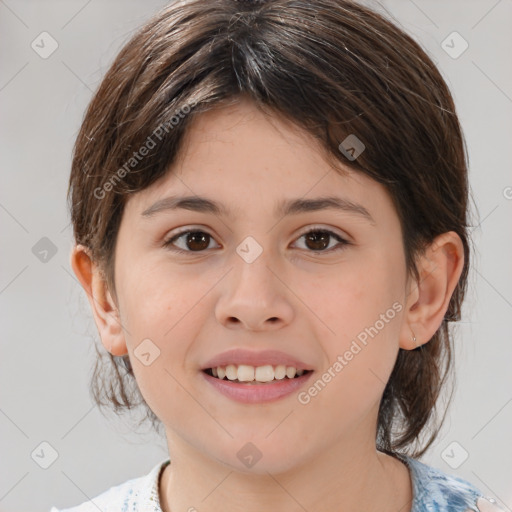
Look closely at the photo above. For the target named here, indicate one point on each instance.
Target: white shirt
(138, 494)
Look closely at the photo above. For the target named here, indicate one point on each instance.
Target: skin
(318, 456)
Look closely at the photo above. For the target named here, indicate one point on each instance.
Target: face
(326, 287)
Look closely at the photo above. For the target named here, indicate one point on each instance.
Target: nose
(254, 297)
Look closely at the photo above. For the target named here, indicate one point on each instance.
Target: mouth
(250, 375)
(251, 385)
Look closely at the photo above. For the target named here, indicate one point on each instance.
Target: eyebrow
(283, 208)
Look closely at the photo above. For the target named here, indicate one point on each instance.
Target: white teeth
(264, 373)
(247, 373)
(290, 372)
(231, 372)
(280, 372)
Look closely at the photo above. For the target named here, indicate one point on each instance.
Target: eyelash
(342, 242)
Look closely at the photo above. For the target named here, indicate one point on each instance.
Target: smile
(257, 374)
(249, 384)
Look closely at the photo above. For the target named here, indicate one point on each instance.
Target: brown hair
(332, 67)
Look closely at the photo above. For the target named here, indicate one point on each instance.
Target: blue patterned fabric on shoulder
(437, 491)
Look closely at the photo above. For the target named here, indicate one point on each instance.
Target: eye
(197, 240)
(317, 240)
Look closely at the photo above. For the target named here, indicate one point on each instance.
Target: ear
(106, 314)
(439, 269)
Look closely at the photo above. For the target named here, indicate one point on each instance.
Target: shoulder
(435, 490)
(138, 494)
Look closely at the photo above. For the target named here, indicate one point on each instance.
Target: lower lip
(257, 393)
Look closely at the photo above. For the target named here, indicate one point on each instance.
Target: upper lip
(239, 356)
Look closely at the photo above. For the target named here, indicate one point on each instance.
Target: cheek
(156, 300)
(350, 299)
(161, 319)
(360, 311)
(168, 309)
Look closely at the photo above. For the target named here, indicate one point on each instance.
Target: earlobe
(104, 309)
(439, 269)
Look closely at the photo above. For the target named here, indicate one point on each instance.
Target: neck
(346, 476)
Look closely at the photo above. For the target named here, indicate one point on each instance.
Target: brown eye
(317, 240)
(194, 241)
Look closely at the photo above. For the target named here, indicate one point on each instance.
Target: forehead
(237, 156)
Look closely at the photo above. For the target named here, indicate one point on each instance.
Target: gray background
(47, 330)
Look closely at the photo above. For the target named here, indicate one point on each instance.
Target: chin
(260, 457)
